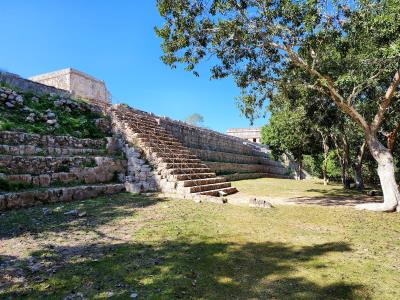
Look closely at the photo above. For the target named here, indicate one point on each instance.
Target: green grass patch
(289, 188)
(15, 186)
(171, 249)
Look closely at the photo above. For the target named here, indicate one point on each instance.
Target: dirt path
(243, 200)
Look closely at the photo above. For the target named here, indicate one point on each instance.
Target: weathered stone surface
(18, 138)
(134, 188)
(29, 198)
(3, 202)
(28, 85)
(80, 84)
(259, 203)
(222, 167)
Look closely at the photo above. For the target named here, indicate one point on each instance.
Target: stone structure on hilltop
(78, 84)
(250, 134)
(139, 151)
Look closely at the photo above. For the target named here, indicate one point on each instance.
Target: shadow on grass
(336, 197)
(55, 218)
(180, 269)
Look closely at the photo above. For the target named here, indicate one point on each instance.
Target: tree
(195, 119)
(342, 49)
(289, 132)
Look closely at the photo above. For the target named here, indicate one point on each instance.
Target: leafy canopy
(342, 47)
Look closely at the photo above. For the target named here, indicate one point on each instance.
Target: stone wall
(20, 138)
(250, 134)
(223, 153)
(60, 194)
(140, 175)
(223, 168)
(202, 138)
(78, 84)
(28, 85)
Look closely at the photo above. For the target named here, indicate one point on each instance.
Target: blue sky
(113, 41)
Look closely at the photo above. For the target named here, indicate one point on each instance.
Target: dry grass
(168, 249)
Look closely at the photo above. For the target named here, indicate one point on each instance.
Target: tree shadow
(336, 198)
(61, 217)
(181, 269)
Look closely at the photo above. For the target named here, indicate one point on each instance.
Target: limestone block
(66, 195)
(44, 180)
(134, 188)
(3, 202)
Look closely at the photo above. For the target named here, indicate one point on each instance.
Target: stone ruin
(144, 153)
(250, 134)
(77, 83)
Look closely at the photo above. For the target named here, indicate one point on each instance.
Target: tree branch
(327, 82)
(385, 103)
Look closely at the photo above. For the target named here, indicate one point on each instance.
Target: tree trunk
(389, 186)
(325, 147)
(357, 167)
(301, 169)
(346, 163)
(344, 158)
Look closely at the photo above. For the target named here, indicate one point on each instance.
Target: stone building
(78, 84)
(250, 134)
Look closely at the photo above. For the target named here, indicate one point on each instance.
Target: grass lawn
(289, 188)
(152, 248)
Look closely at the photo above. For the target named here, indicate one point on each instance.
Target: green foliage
(312, 164)
(11, 186)
(78, 123)
(195, 119)
(89, 164)
(62, 168)
(256, 42)
(333, 169)
(288, 131)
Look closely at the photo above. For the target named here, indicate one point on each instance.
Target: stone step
(175, 154)
(60, 194)
(243, 176)
(37, 165)
(204, 181)
(187, 171)
(166, 138)
(177, 168)
(137, 120)
(149, 133)
(162, 147)
(129, 114)
(218, 192)
(138, 127)
(180, 177)
(48, 151)
(143, 118)
(156, 141)
(179, 160)
(209, 187)
(19, 138)
(182, 165)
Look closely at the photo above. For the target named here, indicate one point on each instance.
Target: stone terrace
(56, 168)
(177, 168)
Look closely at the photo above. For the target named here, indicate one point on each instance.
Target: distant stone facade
(250, 134)
(78, 84)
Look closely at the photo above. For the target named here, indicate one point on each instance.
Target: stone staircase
(44, 169)
(178, 170)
